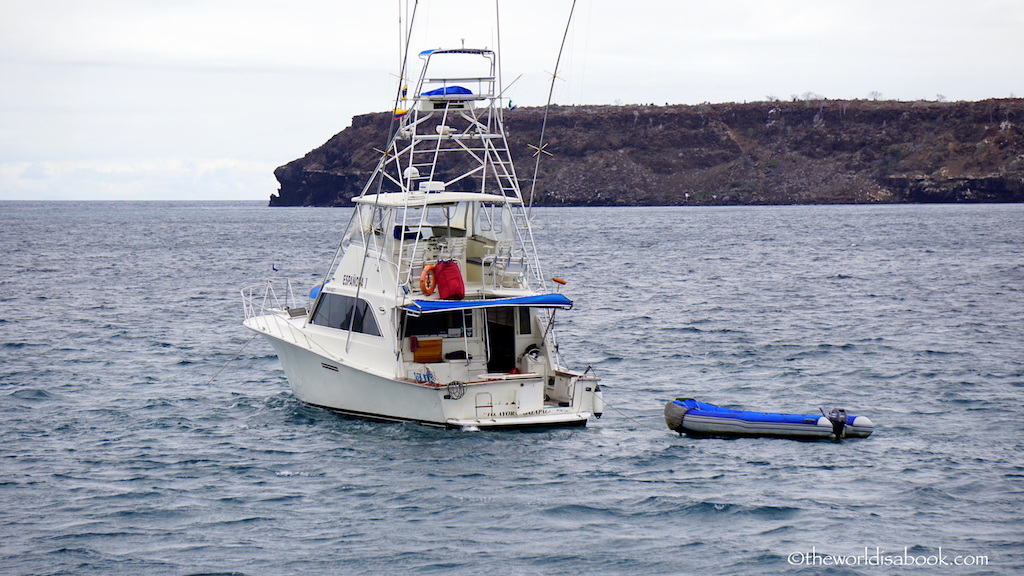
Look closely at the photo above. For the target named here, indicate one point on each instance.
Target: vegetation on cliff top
(801, 152)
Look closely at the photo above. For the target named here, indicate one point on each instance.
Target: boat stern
(516, 401)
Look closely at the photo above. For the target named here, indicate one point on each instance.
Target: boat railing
(456, 79)
(272, 307)
(275, 295)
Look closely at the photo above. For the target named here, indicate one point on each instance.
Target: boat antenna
(401, 84)
(501, 85)
(540, 151)
(386, 153)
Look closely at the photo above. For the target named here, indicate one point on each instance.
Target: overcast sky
(202, 99)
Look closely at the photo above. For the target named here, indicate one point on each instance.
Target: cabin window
(341, 312)
(488, 218)
(371, 222)
(439, 219)
(448, 324)
(525, 326)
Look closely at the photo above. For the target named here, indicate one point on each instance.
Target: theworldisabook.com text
(878, 557)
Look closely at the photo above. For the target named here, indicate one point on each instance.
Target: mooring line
(630, 418)
(249, 341)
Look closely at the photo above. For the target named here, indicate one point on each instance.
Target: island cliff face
(806, 152)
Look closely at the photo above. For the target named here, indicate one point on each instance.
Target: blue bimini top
(698, 408)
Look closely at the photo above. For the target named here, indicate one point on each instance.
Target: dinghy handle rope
(247, 342)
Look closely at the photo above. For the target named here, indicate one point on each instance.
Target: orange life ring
(427, 284)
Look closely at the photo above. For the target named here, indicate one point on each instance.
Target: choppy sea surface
(141, 432)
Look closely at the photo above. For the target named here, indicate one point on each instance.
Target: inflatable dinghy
(695, 418)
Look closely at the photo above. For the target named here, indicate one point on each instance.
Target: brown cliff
(806, 152)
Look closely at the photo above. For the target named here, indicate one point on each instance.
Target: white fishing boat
(435, 309)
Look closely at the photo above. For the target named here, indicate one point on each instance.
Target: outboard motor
(838, 419)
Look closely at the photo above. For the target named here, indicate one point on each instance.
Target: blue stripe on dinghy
(698, 408)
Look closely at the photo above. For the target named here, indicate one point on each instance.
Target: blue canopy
(448, 90)
(539, 301)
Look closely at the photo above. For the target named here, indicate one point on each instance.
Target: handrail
(262, 305)
(269, 300)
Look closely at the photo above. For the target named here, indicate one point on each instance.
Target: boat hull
(688, 416)
(510, 402)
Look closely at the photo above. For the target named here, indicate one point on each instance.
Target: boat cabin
(479, 232)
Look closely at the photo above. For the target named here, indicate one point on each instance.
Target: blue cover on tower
(448, 90)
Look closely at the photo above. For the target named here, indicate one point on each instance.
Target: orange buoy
(560, 281)
(427, 284)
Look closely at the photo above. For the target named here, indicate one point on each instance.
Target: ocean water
(144, 432)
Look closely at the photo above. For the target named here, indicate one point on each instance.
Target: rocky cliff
(805, 152)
